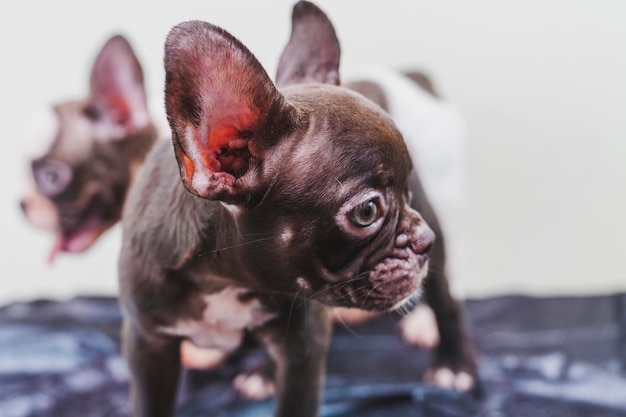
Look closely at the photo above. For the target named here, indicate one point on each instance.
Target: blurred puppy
(90, 153)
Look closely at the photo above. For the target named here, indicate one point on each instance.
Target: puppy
(90, 153)
(297, 196)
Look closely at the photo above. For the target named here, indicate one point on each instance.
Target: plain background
(541, 83)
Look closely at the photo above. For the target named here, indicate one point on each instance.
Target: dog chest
(225, 318)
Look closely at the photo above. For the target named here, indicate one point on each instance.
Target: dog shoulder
(162, 221)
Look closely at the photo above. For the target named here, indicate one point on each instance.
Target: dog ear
(222, 107)
(312, 53)
(118, 97)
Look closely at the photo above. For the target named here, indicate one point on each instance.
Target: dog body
(88, 152)
(294, 200)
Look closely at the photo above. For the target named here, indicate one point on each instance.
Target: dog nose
(424, 242)
(23, 206)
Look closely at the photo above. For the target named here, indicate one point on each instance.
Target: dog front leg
(154, 366)
(455, 362)
(298, 343)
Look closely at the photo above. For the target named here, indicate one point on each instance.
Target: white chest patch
(224, 320)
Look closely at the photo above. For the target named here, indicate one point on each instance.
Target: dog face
(346, 234)
(314, 175)
(90, 151)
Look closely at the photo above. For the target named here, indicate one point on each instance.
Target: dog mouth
(388, 277)
(387, 286)
(80, 237)
(394, 280)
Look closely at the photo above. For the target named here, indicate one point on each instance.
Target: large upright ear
(312, 53)
(222, 107)
(118, 97)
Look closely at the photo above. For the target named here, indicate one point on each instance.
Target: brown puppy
(94, 147)
(294, 200)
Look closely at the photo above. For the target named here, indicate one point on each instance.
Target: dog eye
(91, 112)
(364, 214)
(52, 177)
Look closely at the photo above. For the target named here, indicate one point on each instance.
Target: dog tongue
(56, 248)
(77, 241)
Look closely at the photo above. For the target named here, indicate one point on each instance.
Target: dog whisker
(239, 245)
(346, 283)
(368, 294)
(293, 302)
(269, 188)
(340, 283)
(346, 325)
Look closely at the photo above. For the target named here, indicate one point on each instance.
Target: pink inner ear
(228, 140)
(224, 151)
(218, 99)
(119, 108)
(221, 136)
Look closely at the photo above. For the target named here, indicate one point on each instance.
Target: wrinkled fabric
(538, 357)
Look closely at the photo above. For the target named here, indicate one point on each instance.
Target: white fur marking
(223, 321)
(463, 382)
(194, 357)
(303, 283)
(254, 386)
(445, 377)
(286, 235)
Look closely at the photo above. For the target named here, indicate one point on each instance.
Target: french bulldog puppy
(90, 153)
(295, 197)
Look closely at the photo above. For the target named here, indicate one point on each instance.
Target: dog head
(89, 153)
(315, 176)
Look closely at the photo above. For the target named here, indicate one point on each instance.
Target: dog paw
(419, 327)
(194, 357)
(254, 386)
(455, 368)
(445, 377)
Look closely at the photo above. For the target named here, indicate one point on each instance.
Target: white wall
(542, 84)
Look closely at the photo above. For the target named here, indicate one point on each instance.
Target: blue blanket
(558, 357)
